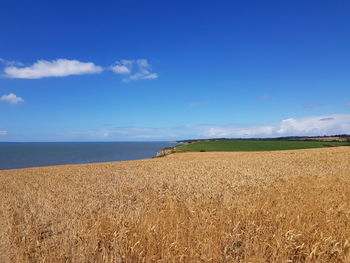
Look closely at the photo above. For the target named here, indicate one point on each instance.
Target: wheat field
(282, 206)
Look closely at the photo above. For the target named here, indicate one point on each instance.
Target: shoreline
(288, 151)
(28, 155)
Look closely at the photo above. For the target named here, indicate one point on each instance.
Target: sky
(167, 70)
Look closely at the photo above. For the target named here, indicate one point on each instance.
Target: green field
(254, 145)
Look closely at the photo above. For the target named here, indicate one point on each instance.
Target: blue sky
(164, 70)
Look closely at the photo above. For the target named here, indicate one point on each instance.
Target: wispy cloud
(55, 68)
(312, 106)
(327, 119)
(197, 103)
(135, 69)
(348, 104)
(125, 133)
(10, 62)
(310, 126)
(11, 98)
(265, 97)
(3, 132)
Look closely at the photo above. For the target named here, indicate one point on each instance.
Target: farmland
(254, 145)
(278, 206)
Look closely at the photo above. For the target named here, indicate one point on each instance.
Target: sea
(15, 155)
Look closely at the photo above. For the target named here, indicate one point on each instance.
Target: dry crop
(287, 206)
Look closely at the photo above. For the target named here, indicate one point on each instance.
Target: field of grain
(255, 145)
(281, 206)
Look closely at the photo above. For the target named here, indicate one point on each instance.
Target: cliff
(165, 151)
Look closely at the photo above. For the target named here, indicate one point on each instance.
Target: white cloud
(55, 68)
(136, 69)
(11, 98)
(3, 132)
(123, 66)
(319, 125)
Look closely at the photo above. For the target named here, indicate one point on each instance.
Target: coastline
(31, 154)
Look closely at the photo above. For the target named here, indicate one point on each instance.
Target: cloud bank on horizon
(309, 126)
(136, 69)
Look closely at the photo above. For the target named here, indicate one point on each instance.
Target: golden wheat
(324, 139)
(287, 206)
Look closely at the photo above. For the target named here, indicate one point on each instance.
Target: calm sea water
(21, 155)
